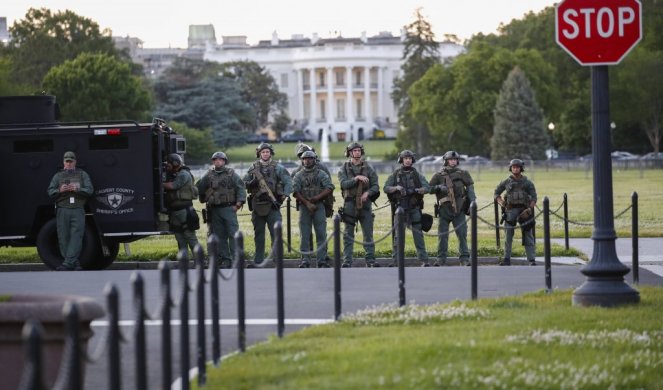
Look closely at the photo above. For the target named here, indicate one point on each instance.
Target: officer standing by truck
(311, 186)
(180, 193)
(268, 184)
(70, 188)
(454, 190)
(359, 183)
(518, 207)
(406, 188)
(223, 192)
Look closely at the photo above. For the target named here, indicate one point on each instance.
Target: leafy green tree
(8, 85)
(44, 39)
(420, 53)
(519, 127)
(199, 143)
(97, 87)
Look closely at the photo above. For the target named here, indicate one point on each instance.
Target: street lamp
(551, 126)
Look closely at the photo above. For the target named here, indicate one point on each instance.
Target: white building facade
(342, 85)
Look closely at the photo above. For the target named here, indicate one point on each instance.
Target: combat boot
(506, 261)
(304, 264)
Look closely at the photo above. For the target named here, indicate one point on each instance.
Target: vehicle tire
(49, 249)
(100, 261)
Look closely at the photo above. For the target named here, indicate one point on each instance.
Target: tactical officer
(223, 192)
(311, 186)
(268, 184)
(406, 188)
(180, 193)
(70, 188)
(301, 148)
(518, 208)
(454, 190)
(359, 183)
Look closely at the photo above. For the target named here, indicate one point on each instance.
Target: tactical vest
(350, 172)
(458, 182)
(74, 176)
(268, 172)
(409, 180)
(516, 196)
(183, 196)
(311, 185)
(222, 188)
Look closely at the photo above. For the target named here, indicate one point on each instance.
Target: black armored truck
(123, 158)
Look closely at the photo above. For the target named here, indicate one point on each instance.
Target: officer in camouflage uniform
(519, 208)
(311, 186)
(406, 188)
(359, 183)
(223, 192)
(301, 148)
(268, 184)
(180, 193)
(454, 190)
(70, 188)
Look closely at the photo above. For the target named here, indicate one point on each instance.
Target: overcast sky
(164, 23)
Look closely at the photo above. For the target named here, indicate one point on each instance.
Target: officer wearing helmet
(406, 188)
(454, 189)
(359, 183)
(300, 149)
(70, 188)
(518, 207)
(311, 186)
(180, 193)
(223, 193)
(268, 184)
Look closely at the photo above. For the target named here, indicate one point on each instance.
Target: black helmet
(449, 156)
(301, 148)
(175, 160)
(262, 146)
(519, 162)
(220, 155)
(406, 153)
(354, 145)
(308, 154)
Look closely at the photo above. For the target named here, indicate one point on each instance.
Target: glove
(441, 188)
(525, 215)
(410, 191)
(397, 189)
(421, 191)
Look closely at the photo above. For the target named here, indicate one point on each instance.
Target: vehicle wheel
(49, 249)
(100, 261)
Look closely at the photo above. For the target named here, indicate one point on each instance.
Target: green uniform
(182, 216)
(70, 212)
(520, 192)
(221, 189)
(264, 212)
(463, 194)
(352, 215)
(411, 202)
(310, 182)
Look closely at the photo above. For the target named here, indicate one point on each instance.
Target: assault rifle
(450, 192)
(262, 184)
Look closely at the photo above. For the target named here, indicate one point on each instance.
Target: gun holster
(436, 210)
(204, 212)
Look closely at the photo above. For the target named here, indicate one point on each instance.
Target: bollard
(33, 374)
(634, 237)
(473, 254)
(140, 350)
(497, 224)
(201, 338)
(566, 222)
(184, 318)
(337, 267)
(114, 371)
(212, 251)
(546, 243)
(400, 254)
(166, 343)
(280, 312)
(241, 302)
(287, 213)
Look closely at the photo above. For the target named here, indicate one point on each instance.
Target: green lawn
(535, 341)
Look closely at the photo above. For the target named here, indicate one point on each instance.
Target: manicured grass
(553, 183)
(535, 341)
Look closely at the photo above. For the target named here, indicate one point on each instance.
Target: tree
(44, 39)
(199, 143)
(519, 126)
(420, 53)
(8, 85)
(96, 87)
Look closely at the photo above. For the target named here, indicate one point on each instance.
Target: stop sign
(598, 32)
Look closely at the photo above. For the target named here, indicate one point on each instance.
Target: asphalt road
(308, 300)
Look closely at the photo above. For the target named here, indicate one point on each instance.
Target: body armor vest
(516, 196)
(409, 180)
(222, 187)
(311, 185)
(350, 171)
(268, 172)
(71, 176)
(183, 196)
(459, 185)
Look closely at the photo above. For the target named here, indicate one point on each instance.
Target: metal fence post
(241, 302)
(473, 254)
(33, 374)
(166, 343)
(114, 367)
(337, 267)
(288, 220)
(566, 222)
(280, 313)
(497, 224)
(73, 348)
(140, 349)
(184, 317)
(212, 251)
(400, 254)
(546, 243)
(200, 310)
(634, 237)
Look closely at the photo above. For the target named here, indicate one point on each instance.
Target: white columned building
(341, 85)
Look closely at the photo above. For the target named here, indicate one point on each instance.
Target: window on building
(358, 82)
(322, 79)
(359, 109)
(340, 78)
(284, 80)
(340, 109)
(323, 109)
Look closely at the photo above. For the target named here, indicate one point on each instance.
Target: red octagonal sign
(598, 32)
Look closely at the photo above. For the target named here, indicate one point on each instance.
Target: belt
(222, 205)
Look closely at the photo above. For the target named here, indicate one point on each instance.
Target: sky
(165, 23)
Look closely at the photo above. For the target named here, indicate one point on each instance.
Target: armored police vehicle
(123, 158)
